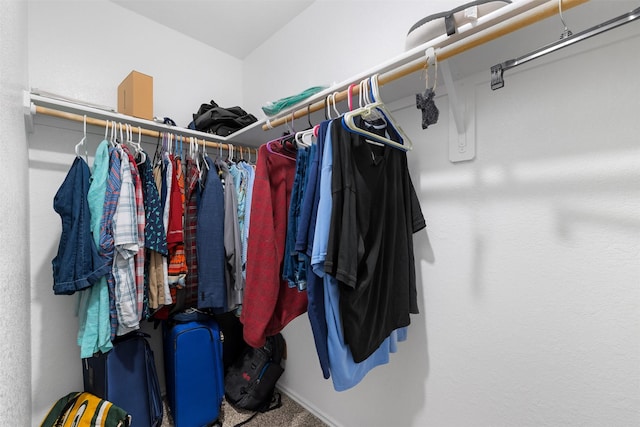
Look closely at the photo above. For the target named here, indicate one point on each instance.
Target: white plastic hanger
(83, 141)
(204, 154)
(193, 153)
(138, 147)
(370, 109)
(112, 135)
(279, 151)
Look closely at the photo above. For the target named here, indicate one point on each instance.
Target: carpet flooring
(290, 414)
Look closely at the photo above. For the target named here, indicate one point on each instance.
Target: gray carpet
(290, 414)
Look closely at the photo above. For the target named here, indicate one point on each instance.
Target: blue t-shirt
(304, 242)
(210, 242)
(344, 371)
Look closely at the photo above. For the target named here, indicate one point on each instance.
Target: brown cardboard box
(135, 96)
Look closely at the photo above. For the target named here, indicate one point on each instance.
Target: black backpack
(250, 382)
(214, 119)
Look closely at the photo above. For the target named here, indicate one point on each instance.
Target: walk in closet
(528, 270)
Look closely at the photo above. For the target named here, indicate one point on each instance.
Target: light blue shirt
(95, 326)
(247, 214)
(345, 373)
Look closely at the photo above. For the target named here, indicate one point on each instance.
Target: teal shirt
(95, 327)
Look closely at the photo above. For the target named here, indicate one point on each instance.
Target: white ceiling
(236, 27)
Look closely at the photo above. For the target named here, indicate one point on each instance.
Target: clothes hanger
(193, 153)
(332, 104)
(370, 109)
(204, 154)
(113, 134)
(83, 141)
(281, 141)
(305, 138)
(230, 153)
(138, 147)
(121, 135)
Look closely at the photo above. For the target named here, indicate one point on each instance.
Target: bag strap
(276, 402)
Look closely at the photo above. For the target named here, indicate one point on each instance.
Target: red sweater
(269, 303)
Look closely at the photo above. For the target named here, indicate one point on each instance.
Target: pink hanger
(350, 94)
(280, 140)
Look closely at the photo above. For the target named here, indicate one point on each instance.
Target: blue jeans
(294, 268)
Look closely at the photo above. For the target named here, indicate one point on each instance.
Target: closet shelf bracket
(462, 144)
(29, 110)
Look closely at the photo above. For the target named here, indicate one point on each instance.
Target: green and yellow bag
(81, 409)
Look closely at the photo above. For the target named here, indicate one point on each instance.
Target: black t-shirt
(370, 251)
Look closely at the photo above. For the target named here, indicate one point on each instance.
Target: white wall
(529, 268)
(329, 42)
(15, 394)
(84, 50)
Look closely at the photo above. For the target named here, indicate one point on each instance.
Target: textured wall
(15, 395)
(529, 268)
(75, 50)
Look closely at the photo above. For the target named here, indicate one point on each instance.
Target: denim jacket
(77, 265)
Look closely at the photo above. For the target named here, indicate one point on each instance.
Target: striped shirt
(106, 230)
(140, 219)
(190, 223)
(125, 236)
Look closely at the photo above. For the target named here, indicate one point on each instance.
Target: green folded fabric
(274, 107)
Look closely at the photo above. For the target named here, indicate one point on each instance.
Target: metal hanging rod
(497, 71)
(404, 66)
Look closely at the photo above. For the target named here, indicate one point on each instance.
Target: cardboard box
(135, 96)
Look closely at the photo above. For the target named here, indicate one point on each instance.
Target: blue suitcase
(194, 372)
(127, 377)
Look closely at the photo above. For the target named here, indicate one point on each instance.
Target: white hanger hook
(335, 108)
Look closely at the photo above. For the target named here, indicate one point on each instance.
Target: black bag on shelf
(212, 118)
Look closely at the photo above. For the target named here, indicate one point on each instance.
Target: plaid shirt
(140, 217)
(125, 236)
(190, 223)
(106, 230)
(175, 236)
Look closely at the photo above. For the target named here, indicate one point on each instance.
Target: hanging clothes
(375, 212)
(210, 251)
(125, 239)
(139, 257)
(177, 268)
(160, 266)
(94, 332)
(233, 250)
(155, 239)
(269, 304)
(106, 231)
(192, 196)
(304, 246)
(77, 264)
(247, 215)
(294, 270)
(345, 371)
